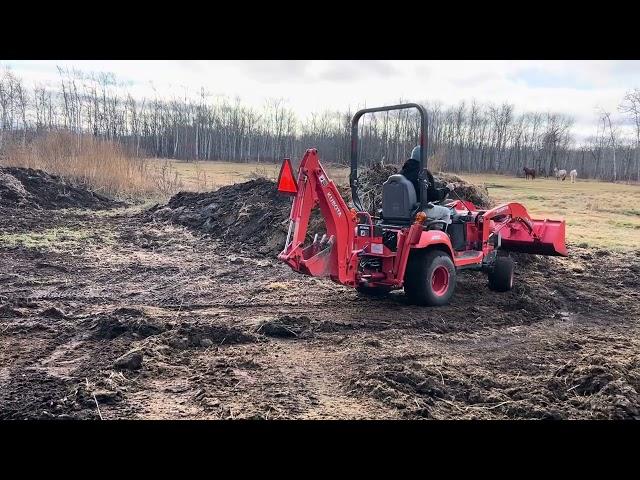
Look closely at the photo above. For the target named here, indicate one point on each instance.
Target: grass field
(211, 175)
(598, 214)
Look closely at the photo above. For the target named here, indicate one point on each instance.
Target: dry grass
(598, 214)
(205, 176)
(100, 165)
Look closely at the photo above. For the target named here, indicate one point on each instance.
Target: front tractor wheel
(430, 278)
(501, 276)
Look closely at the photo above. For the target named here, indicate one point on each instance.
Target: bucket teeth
(324, 239)
(315, 238)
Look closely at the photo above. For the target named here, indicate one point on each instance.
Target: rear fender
(423, 240)
(437, 238)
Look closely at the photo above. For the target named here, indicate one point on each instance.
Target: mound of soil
(255, 216)
(26, 187)
(370, 185)
(371, 181)
(476, 194)
(252, 214)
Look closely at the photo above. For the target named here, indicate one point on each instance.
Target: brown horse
(529, 172)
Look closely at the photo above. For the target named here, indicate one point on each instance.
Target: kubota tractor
(410, 244)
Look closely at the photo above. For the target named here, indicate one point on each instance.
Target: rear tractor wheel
(430, 278)
(501, 276)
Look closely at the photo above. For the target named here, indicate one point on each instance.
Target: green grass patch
(55, 239)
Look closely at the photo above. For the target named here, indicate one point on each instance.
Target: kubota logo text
(334, 204)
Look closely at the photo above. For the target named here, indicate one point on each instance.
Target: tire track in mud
(195, 308)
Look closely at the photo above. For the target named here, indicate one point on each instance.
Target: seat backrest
(398, 199)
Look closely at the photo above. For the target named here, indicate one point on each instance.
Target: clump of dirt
(125, 321)
(8, 311)
(26, 187)
(286, 326)
(395, 384)
(193, 335)
(54, 312)
(12, 190)
(530, 260)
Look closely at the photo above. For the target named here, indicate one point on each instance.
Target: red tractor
(411, 244)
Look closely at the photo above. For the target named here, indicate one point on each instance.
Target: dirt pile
(25, 187)
(476, 194)
(125, 321)
(371, 181)
(255, 217)
(251, 214)
(370, 185)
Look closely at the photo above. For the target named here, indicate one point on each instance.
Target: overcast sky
(576, 88)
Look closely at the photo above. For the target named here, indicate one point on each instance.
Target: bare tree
(606, 120)
(196, 125)
(631, 106)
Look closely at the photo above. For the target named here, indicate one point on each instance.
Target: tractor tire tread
(417, 279)
(501, 276)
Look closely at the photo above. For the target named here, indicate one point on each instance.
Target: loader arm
(321, 258)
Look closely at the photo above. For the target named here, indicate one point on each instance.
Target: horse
(560, 174)
(529, 172)
(573, 174)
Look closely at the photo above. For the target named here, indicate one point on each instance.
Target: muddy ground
(224, 334)
(120, 315)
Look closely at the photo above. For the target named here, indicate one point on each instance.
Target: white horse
(573, 174)
(560, 173)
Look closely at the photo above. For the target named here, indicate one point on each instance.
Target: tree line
(469, 136)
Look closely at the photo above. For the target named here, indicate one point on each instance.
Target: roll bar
(353, 177)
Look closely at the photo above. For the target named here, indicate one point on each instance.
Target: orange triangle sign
(286, 181)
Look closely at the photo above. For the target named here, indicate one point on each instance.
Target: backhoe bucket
(548, 238)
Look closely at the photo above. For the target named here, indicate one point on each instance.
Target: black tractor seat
(400, 205)
(399, 200)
